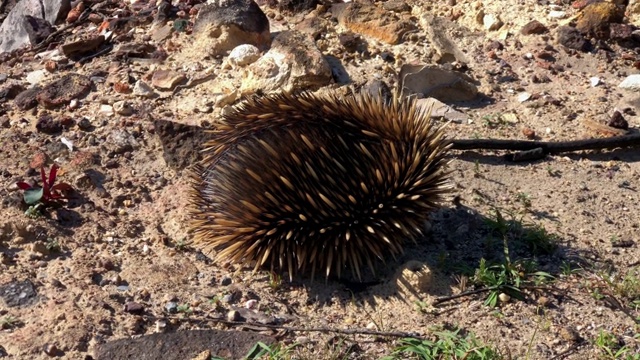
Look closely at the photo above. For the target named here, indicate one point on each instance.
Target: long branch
(548, 147)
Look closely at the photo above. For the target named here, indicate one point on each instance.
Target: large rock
(371, 21)
(14, 35)
(293, 63)
(439, 32)
(225, 24)
(434, 81)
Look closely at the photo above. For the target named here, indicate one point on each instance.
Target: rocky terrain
(118, 94)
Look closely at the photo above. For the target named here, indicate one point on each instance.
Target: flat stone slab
(182, 345)
(18, 293)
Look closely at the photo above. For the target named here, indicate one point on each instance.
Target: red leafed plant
(49, 193)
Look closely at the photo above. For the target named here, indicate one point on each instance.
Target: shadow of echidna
(319, 182)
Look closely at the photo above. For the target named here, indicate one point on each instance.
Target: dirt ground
(122, 239)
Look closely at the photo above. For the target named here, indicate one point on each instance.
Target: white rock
(523, 96)
(106, 109)
(123, 108)
(67, 142)
(36, 77)
(557, 14)
(632, 82)
(143, 89)
(251, 304)
(244, 54)
(491, 22)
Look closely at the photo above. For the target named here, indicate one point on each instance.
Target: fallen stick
(549, 147)
(400, 334)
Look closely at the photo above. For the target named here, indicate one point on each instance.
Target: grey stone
(171, 307)
(18, 293)
(294, 62)
(14, 35)
(434, 81)
(439, 32)
(37, 29)
(224, 24)
(631, 82)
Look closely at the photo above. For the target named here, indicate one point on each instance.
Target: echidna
(323, 182)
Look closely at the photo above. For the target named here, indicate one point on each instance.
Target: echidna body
(320, 182)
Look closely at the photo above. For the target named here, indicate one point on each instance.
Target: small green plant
(422, 306)
(611, 348)
(625, 286)
(181, 245)
(185, 309)
(274, 352)
(552, 172)
(509, 277)
(8, 322)
(525, 199)
(447, 345)
(49, 194)
(34, 211)
(567, 269)
(494, 121)
(275, 281)
(53, 245)
(536, 238)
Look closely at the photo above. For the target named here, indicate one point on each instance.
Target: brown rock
(371, 21)
(39, 160)
(568, 333)
(166, 79)
(27, 99)
(617, 121)
(62, 91)
(221, 26)
(10, 91)
(48, 125)
(133, 307)
(293, 62)
(534, 27)
(595, 18)
(573, 39)
(529, 133)
(82, 47)
(312, 25)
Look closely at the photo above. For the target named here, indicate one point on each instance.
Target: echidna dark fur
(319, 182)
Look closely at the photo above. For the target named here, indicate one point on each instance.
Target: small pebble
(171, 307)
(524, 96)
(233, 315)
(51, 349)
(251, 304)
(133, 307)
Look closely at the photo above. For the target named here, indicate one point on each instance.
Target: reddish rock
(39, 160)
(372, 21)
(529, 133)
(534, 27)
